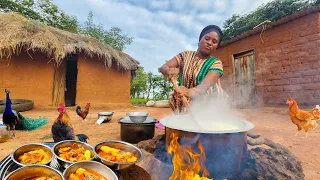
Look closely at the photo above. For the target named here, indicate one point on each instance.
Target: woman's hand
(173, 73)
(183, 91)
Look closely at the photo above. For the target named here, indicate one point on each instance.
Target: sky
(161, 28)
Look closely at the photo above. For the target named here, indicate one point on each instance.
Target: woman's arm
(210, 79)
(170, 68)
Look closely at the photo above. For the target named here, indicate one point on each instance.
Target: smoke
(208, 114)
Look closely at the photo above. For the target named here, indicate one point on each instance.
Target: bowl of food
(118, 154)
(29, 154)
(69, 152)
(34, 172)
(138, 117)
(89, 170)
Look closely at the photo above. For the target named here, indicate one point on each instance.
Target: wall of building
(287, 61)
(27, 78)
(95, 84)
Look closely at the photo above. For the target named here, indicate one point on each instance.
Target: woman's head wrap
(211, 28)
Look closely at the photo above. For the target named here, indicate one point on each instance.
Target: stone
(150, 103)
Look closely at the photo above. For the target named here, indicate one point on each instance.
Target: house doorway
(245, 80)
(71, 80)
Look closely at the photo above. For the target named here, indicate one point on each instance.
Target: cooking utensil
(92, 165)
(33, 171)
(30, 147)
(225, 144)
(104, 117)
(124, 146)
(138, 117)
(135, 132)
(184, 99)
(68, 143)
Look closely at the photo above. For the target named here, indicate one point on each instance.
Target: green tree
(43, 10)
(151, 83)
(164, 86)
(139, 84)
(114, 37)
(272, 11)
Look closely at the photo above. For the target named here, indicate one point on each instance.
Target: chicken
(316, 112)
(62, 129)
(83, 113)
(302, 119)
(10, 118)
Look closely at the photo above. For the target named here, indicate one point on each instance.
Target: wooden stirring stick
(184, 99)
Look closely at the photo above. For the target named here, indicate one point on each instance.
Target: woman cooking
(198, 71)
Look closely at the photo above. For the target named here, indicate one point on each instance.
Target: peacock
(16, 121)
(9, 117)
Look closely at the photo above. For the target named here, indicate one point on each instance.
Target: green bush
(138, 101)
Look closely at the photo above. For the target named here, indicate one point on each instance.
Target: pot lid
(127, 120)
(105, 113)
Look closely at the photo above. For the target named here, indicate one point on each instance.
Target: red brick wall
(287, 62)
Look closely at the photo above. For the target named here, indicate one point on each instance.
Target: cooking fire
(187, 164)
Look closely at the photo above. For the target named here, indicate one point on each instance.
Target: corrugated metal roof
(283, 20)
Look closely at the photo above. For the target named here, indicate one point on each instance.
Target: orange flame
(186, 163)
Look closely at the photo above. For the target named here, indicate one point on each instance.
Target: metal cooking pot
(225, 144)
(104, 116)
(135, 132)
(92, 165)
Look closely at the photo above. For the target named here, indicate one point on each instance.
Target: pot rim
(247, 126)
(34, 165)
(105, 113)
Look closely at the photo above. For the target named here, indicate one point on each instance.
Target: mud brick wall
(287, 62)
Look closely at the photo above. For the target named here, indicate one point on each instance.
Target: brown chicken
(302, 119)
(85, 112)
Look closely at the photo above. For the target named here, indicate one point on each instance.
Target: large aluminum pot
(225, 143)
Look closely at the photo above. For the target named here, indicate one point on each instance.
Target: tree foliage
(139, 84)
(150, 86)
(114, 37)
(50, 14)
(273, 11)
(43, 10)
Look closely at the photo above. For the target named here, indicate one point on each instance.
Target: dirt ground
(273, 123)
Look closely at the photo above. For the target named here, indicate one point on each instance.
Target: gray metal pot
(225, 149)
(135, 132)
(104, 117)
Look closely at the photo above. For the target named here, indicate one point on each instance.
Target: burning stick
(184, 99)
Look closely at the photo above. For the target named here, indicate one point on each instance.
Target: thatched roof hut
(28, 42)
(18, 33)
